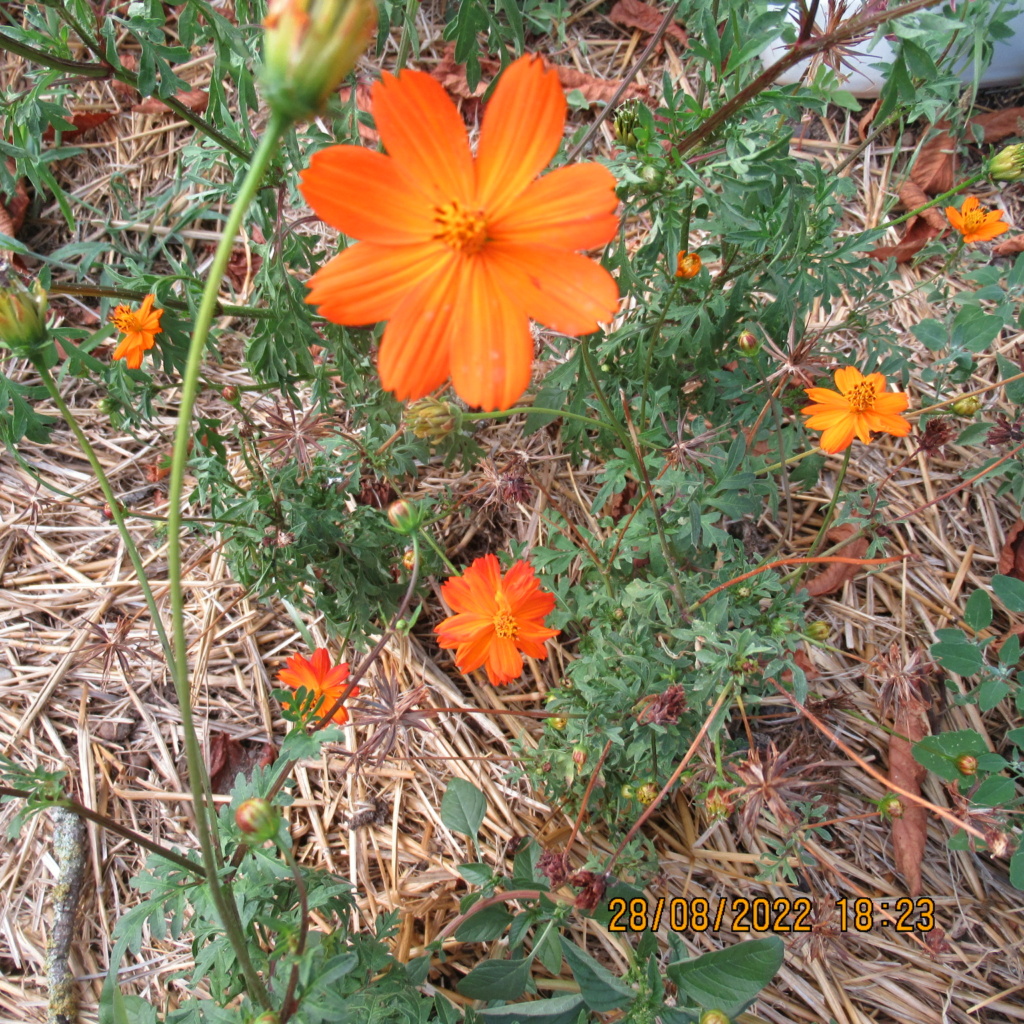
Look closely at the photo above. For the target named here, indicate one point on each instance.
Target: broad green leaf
(963, 658)
(978, 610)
(485, 926)
(1010, 591)
(1017, 869)
(939, 753)
(559, 1010)
(600, 989)
(496, 979)
(729, 979)
(995, 791)
(463, 807)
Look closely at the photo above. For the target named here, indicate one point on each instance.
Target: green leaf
(938, 753)
(960, 657)
(990, 693)
(600, 989)
(729, 979)
(560, 1010)
(995, 791)
(477, 874)
(1015, 391)
(1009, 653)
(485, 925)
(496, 979)
(931, 334)
(978, 610)
(117, 1008)
(1017, 869)
(1010, 591)
(974, 329)
(549, 951)
(463, 807)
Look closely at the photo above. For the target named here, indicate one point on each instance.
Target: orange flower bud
(688, 265)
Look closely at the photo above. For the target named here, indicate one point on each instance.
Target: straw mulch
(65, 576)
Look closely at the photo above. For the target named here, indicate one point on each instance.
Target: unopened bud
(258, 819)
(628, 122)
(627, 792)
(432, 419)
(229, 393)
(688, 265)
(647, 793)
(818, 630)
(558, 722)
(967, 764)
(890, 806)
(22, 316)
(652, 178)
(1007, 164)
(409, 559)
(747, 343)
(404, 516)
(579, 756)
(715, 1017)
(966, 406)
(309, 46)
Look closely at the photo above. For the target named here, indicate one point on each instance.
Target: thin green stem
(966, 183)
(408, 33)
(198, 776)
(115, 509)
(88, 69)
(823, 529)
(137, 295)
(526, 409)
(655, 331)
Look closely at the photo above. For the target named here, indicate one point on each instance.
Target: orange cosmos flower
(496, 619)
(458, 253)
(319, 677)
(861, 405)
(688, 264)
(140, 328)
(976, 223)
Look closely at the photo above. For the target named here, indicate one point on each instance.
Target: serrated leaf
(600, 989)
(729, 979)
(496, 979)
(463, 807)
(486, 925)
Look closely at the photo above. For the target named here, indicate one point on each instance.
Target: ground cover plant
(513, 513)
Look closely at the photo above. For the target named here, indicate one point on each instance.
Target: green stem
(115, 509)
(89, 69)
(967, 183)
(408, 31)
(198, 776)
(656, 330)
(527, 409)
(828, 516)
(137, 295)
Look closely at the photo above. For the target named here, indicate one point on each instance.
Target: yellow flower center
(126, 320)
(505, 624)
(974, 219)
(459, 228)
(861, 396)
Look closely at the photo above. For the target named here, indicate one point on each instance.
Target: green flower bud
(890, 806)
(627, 121)
(652, 179)
(432, 419)
(966, 406)
(747, 343)
(647, 793)
(22, 316)
(966, 764)
(258, 819)
(818, 630)
(405, 516)
(627, 792)
(1007, 164)
(579, 756)
(309, 46)
(715, 1017)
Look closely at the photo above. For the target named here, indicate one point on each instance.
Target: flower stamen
(861, 396)
(460, 229)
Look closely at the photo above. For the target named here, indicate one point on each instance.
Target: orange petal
(504, 662)
(472, 655)
(367, 282)
(955, 219)
(421, 128)
(564, 291)
(848, 378)
(415, 352)
(571, 208)
(462, 628)
(826, 397)
(891, 402)
(522, 129)
(492, 348)
(828, 418)
(888, 424)
(838, 438)
(365, 195)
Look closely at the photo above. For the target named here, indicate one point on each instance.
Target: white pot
(1006, 69)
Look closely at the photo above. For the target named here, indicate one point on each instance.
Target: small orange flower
(318, 676)
(861, 405)
(976, 223)
(497, 619)
(688, 264)
(458, 253)
(140, 328)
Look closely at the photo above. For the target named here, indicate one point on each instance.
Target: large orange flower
(140, 328)
(860, 406)
(496, 618)
(317, 675)
(976, 223)
(457, 253)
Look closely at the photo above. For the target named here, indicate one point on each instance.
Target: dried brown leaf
(912, 196)
(909, 832)
(637, 14)
(453, 76)
(1009, 246)
(936, 163)
(919, 233)
(1011, 558)
(1000, 124)
(229, 756)
(83, 121)
(598, 90)
(195, 99)
(865, 122)
(834, 575)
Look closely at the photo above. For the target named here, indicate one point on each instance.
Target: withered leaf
(912, 196)
(83, 121)
(453, 76)
(909, 832)
(1011, 558)
(936, 163)
(869, 116)
(1009, 246)
(1000, 124)
(835, 574)
(637, 14)
(195, 99)
(919, 233)
(598, 90)
(229, 756)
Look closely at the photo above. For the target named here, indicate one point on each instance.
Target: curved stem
(115, 509)
(526, 409)
(198, 776)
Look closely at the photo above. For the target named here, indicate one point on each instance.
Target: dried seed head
(936, 434)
